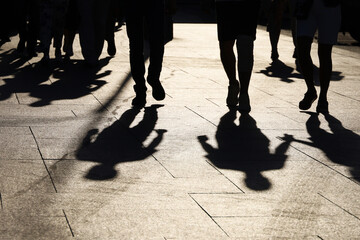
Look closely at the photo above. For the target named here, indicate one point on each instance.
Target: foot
(233, 93)
(158, 91)
(244, 103)
(140, 99)
(111, 49)
(322, 107)
(307, 101)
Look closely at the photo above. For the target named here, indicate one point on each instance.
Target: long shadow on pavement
(120, 143)
(72, 80)
(341, 145)
(245, 148)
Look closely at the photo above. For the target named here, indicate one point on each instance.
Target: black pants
(28, 22)
(150, 13)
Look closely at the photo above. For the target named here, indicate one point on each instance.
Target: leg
(324, 53)
(155, 22)
(306, 65)
(276, 13)
(245, 49)
(228, 61)
(134, 29)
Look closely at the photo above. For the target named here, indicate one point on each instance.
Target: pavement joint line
(68, 223)
(319, 162)
(1, 202)
(17, 98)
(224, 176)
(346, 96)
(212, 102)
(43, 160)
(209, 215)
(163, 166)
(217, 193)
(73, 113)
(339, 207)
(200, 116)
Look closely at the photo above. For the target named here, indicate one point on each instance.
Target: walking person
(237, 22)
(28, 24)
(324, 16)
(277, 9)
(52, 18)
(152, 13)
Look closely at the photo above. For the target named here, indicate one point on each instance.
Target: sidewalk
(77, 161)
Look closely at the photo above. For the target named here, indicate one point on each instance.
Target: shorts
(326, 20)
(237, 18)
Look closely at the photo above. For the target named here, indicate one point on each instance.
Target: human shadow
(245, 148)
(279, 69)
(74, 80)
(341, 145)
(335, 75)
(19, 76)
(120, 143)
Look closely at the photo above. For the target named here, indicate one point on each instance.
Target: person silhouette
(152, 13)
(237, 22)
(245, 148)
(324, 16)
(120, 143)
(277, 9)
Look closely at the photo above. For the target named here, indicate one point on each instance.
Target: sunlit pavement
(77, 161)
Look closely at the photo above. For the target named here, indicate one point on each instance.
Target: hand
(203, 138)
(287, 138)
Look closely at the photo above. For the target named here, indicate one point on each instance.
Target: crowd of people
(57, 22)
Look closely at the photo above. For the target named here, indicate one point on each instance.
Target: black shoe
(307, 101)
(111, 49)
(140, 99)
(244, 103)
(322, 107)
(158, 91)
(233, 93)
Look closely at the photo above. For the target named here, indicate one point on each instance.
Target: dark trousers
(28, 22)
(150, 13)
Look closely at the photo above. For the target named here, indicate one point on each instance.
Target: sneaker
(233, 93)
(307, 101)
(322, 107)
(158, 91)
(244, 103)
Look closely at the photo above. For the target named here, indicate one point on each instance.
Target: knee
(245, 49)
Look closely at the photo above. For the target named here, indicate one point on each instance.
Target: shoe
(140, 99)
(111, 49)
(244, 103)
(233, 93)
(322, 107)
(158, 91)
(307, 101)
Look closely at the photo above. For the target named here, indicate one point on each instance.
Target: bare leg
(228, 61)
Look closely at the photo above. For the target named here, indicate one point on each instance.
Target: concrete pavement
(77, 162)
